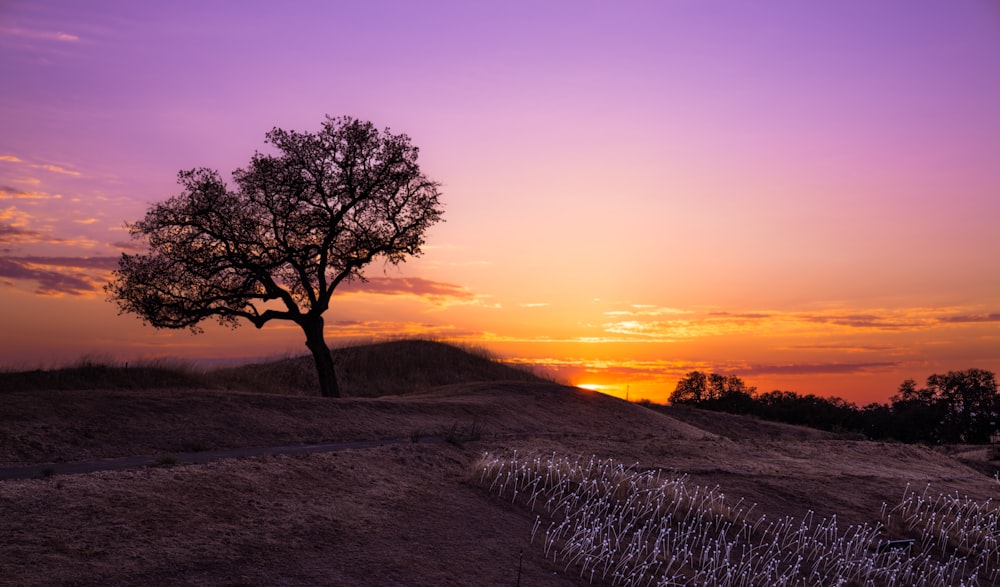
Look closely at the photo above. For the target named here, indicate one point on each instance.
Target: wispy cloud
(129, 246)
(12, 234)
(435, 291)
(57, 36)
(745, 316)
(103, 263)
(359, 329)
(695, 324)
(17, 233)
(848, 348)
(14, 216)
(50, 167)
(57, 169)
(667, 330)
(52, 275)
(647, 310)
(870, 321)
(623, 371)
(819, 368)
(11, 193)
(57, 276)
(972, 318)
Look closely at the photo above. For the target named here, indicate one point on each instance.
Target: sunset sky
(804, 194)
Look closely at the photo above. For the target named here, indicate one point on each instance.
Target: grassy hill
(387, 368)
(413, 510)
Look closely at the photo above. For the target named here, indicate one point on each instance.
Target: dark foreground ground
(398, 502)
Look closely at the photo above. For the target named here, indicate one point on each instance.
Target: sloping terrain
(403, 514)
(740, 427)
(372, 370)
(61, 425)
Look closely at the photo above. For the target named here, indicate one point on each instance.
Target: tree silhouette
(956, 407)
(691, 389)
(970, 406)
(917, 414)
(713, 392)
(295, 226)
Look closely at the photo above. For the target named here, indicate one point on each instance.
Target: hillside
(371, 370)
(383, 515)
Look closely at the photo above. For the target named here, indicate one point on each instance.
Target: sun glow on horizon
(618, 391)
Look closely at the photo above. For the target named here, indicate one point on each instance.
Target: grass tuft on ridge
(367, 370)
(372, 370)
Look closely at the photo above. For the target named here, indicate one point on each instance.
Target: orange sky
(803, 195)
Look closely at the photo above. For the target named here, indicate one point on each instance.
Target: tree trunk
(313, 327)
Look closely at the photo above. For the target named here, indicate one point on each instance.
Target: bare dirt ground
(407, 513)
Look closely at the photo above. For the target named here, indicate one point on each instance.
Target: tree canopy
(274, 246)
(954, 407)
(727, 392)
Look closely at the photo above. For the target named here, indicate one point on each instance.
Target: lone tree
(277, 244)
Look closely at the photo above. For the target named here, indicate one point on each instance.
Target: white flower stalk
(629, 526)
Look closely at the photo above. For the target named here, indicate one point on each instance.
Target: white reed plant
(951, 524)
(619, 523)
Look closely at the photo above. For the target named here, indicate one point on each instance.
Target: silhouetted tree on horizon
(297, 225)
(713, 391)
(956, 407)
(691, 389)
(971, 402)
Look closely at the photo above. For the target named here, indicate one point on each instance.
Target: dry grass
(738, 427)
(403, 514)
(371, 370)
(94, 374)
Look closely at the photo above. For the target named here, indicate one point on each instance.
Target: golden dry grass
(401, 514)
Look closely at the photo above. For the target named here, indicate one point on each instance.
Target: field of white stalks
(607, 521)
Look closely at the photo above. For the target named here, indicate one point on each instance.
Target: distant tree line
(957, 407)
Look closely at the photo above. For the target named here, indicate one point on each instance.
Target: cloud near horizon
(665, 373)
(819, 368)
(379, 329)
(850, 348)
(696, 324)
(58, 276)
(972, 318)
(647, 310)
(435, 291)
(14, 230)
(624, 370)
(76, 276)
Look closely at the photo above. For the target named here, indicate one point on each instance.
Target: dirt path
(39, 470)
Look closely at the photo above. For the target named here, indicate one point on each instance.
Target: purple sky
(803, 193)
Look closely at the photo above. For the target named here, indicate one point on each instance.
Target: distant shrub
(166, 461)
